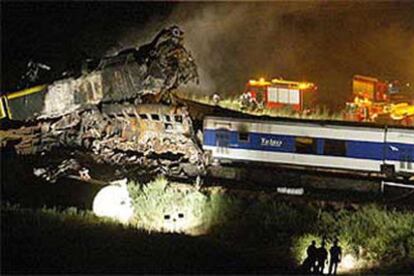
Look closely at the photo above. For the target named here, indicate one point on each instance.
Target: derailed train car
(374, 150)
(118, 108)
(154, 69)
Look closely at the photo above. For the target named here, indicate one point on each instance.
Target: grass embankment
(249, 233)
(233, 103)
(267, 230)
(380, 240)
(48, 241)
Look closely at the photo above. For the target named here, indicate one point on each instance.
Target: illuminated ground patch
(167, 207)
(114, 201)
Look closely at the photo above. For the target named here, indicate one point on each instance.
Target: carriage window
(155, 117)
(178, 118)
(243, 137)
(167, 118)
(168, 126)
(334, 147)
(405, 159)
(143, 116)
(305, 145)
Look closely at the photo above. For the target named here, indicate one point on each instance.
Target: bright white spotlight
(114, 201)
(348, 262)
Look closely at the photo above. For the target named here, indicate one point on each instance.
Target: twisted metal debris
(118, 109)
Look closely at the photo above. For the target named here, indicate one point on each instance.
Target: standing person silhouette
(312, 256)
(322, 256)
(336, 256)
(309, 265)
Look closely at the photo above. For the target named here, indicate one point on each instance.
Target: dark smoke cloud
(233, 42)
(326, 43)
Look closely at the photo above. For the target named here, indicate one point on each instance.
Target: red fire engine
(279, 93)
(369, 88)
(374, 99)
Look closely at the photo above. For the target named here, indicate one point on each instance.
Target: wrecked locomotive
(119, 110)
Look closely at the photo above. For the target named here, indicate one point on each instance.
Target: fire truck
(278, 93)
(369, 88)
(376, 100)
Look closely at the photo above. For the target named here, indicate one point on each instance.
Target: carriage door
(406, 160)
(222, 140)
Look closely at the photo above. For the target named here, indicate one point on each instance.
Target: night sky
(326, 43)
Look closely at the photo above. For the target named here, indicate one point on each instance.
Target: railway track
(302, 192)
(323, 189)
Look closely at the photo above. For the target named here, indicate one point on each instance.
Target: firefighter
(216, 99)
(252, 102)
(336, 255)
(322, 256)
(309, 265)
(244, 100)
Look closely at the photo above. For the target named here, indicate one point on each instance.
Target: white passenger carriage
(319, 144)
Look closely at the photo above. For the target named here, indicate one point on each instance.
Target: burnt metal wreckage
(119, 109)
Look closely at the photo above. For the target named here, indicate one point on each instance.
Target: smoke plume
(326, 43)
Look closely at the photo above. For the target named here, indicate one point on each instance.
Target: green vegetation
(375, 235)
(233, 103)
(163, 206)
(372, 235)
(73, 241)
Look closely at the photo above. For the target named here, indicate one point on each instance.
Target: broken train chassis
(151, 138)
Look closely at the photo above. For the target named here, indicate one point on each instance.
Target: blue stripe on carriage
(286, 143)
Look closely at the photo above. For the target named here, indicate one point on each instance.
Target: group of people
(247, 101)
(317, 258)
